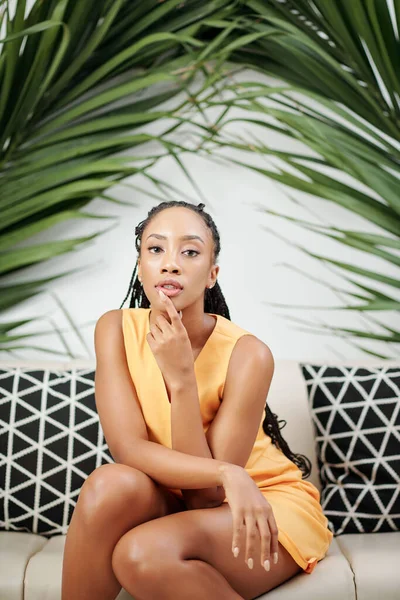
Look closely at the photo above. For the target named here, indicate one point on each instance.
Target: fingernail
(267, 566)
(250, 563)
(275, 558)
(235, 552)
(161, 293)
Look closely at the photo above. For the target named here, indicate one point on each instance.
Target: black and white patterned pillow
(50, 441)
(356, 418)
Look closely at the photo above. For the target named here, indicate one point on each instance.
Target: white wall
(252, 272)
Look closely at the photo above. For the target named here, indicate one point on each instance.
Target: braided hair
(214, 302)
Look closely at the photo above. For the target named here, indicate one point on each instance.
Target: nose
(170, 265)
(169, 269)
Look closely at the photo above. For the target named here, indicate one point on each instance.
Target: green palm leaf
(77, 81)
(339, 64)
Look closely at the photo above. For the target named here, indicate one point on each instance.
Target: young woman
(205, 498)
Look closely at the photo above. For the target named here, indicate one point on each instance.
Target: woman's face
(164, 254)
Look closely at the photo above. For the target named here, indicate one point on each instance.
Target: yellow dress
(303, 527)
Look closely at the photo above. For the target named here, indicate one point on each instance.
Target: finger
(274, 537)
(156, 333)
(169, 307)
(163, 324)
(237, 531)
(265, 535)
(251, 539)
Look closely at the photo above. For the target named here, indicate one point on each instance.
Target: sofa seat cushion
(320, 583)
(15, 551)
(374, 559)
(43, 578)
(44, 575)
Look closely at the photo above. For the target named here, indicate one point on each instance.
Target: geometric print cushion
(356, 418)
(50, 441)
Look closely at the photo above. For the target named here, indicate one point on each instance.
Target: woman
(205, 498)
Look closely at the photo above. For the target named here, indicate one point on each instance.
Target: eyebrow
(183, 237)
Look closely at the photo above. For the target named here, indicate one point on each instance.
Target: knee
(107, 488)
(132, 560)
(141, 557)
(126, 557)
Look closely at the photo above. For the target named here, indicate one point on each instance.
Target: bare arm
(171, 468)
(187, 436)
(123, 424)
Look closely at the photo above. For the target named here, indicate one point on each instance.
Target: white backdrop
(254, 261)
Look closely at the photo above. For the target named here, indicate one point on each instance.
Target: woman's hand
(170, 344)
(249, 507)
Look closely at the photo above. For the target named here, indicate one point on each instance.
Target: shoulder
(108, 331)
(247, 347)
(109, 320)
(250, 348)
(251, 364)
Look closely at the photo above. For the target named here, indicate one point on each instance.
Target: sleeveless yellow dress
(303, 527)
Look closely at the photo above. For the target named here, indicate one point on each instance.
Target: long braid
(214, 302)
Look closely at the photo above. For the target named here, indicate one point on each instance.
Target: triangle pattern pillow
(356, 418)
(50, 441)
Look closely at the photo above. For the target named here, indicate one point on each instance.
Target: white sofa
(356, 566)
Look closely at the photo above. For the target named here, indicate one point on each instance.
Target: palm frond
(79, 82)
(338, 94)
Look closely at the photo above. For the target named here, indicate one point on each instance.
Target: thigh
(125, 493)
(206, 535)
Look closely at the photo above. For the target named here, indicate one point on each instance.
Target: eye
(153, 247)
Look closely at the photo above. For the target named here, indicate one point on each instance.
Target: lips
(173, 282)
(177, 289)
(169, 291)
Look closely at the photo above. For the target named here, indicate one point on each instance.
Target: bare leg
(197, 580)
(189, 555)
(113, 499)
